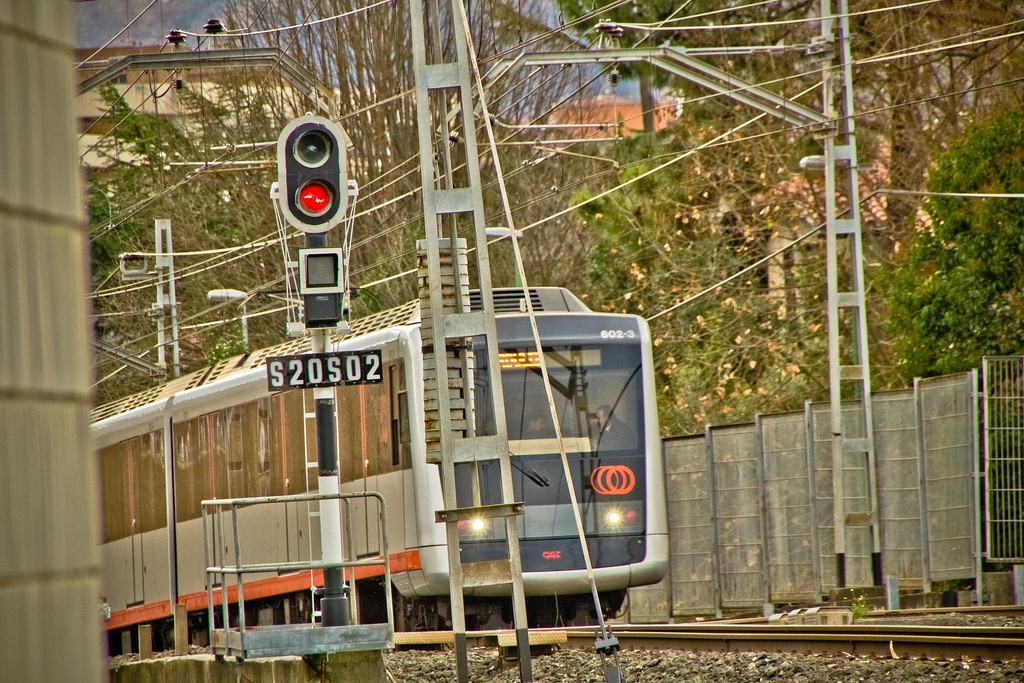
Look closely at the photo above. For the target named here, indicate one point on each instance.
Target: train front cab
(599, 369)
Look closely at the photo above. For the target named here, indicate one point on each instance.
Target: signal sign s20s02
(313, 370)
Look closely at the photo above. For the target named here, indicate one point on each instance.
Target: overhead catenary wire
(763, 24)
(543, 114)
(910, 52)
(117, 35)
(673, 158)
(536, 224)
(819, 228)
(305, 24)
(975, 32)
(149, 335)
(131, 213)
(208, 168)
(343, 15)
(114, 128)
(863, 61)
(614, 4)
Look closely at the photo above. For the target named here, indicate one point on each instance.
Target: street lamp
(233, 295)
(501, 232)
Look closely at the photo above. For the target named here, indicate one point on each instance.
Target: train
(222, 433)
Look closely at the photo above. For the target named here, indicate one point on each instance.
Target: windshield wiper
(533, 475)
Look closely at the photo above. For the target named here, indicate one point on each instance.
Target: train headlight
(614, 518)
(476, 525)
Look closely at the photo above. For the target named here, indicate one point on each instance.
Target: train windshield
(598, 398)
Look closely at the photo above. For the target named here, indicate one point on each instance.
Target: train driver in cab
(611, 433)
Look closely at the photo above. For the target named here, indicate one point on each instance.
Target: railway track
(952, 643)
(1012, 612)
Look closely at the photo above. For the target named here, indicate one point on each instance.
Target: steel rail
(1015, 611)
(886, 640)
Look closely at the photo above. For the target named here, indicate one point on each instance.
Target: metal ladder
(312, 507)
(453, 198)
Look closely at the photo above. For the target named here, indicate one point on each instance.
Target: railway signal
(311, 173)
(313, 195)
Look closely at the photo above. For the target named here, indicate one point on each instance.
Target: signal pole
(313, 197)
(334, 604)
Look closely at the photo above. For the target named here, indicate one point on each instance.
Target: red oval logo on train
(612, 480)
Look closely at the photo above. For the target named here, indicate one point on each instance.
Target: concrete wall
(49, 531)
(364, 667)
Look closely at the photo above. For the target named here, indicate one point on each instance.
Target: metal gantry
(853, 441)
(854, 468)
(452, 334)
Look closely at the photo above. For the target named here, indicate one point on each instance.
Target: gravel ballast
(662, 666)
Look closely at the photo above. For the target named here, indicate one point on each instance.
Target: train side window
(152, 476)
(235, 441)
(399, 414)
(376, 418)
(351, 427)
(216, 445)
(116, 511)
(264, 426)
(289, 444)
(373, 426)
(193, 480)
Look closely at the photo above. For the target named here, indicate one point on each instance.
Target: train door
(373, 435)
(137, 586)
(122, 523)
(358, 409)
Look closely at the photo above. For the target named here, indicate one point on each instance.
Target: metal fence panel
(820, 443)
(855, 493)
(949, 455)
(691, 563)
(1004, 458)
(750, 506)
(739, 525)
(899, 486)
(794, 573)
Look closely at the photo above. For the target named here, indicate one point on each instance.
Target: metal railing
(292, 639)
(1004, 457)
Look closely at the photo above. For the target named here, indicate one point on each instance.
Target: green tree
(150, 167)
(752, 345)
(958, 293)
(367, 57)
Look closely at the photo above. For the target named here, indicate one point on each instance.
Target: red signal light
(315, 198)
